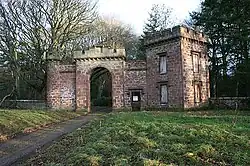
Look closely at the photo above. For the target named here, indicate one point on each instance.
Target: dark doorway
(101, 90)
(136, 100)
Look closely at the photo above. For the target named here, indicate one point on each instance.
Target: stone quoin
(174, 75)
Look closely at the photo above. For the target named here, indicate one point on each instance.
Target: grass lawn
(14, 122)
(155, 138)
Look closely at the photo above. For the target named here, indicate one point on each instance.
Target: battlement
(175, 32)
(100, 52)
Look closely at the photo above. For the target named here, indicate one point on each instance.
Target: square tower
(177, 68)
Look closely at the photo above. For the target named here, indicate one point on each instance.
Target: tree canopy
(160, 17)
(227, 24)
(31, 29)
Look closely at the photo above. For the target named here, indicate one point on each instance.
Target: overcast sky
(135, 12)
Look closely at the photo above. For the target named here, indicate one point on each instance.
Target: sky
(135, 12)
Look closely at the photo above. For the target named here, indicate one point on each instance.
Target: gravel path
(18, 148)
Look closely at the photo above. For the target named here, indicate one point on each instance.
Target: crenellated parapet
(100, 52)
(174, 33)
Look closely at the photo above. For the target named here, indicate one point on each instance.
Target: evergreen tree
(227, 24)
(160, 18)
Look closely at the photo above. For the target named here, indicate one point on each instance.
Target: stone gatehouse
(175, 74)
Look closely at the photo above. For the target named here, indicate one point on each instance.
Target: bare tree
(31, 28)
(108, 31)
(59, 21)
(160, 17)
(8, 48)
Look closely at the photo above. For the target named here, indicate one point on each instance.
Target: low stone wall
(25, 104)
(231, 102)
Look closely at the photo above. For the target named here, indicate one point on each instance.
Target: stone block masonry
(135, 80)
(185, 73)
(69, 85)
(173, 76)
(61, 86)
(84, 70)
(179, 45)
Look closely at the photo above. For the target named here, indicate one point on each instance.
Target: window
(196, 62)
(136, 96)
(197, 92)
(163, 64)
(164, 94)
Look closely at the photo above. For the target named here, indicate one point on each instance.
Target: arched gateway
(101, 89)
(69, 85)
(175, 74)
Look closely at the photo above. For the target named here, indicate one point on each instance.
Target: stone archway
(101, 89)
(68, 86)
(99, 57)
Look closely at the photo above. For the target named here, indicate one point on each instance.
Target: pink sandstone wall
(178, 44)
(194, 42)
(135, 80)
(60, 86)
(84, 70)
